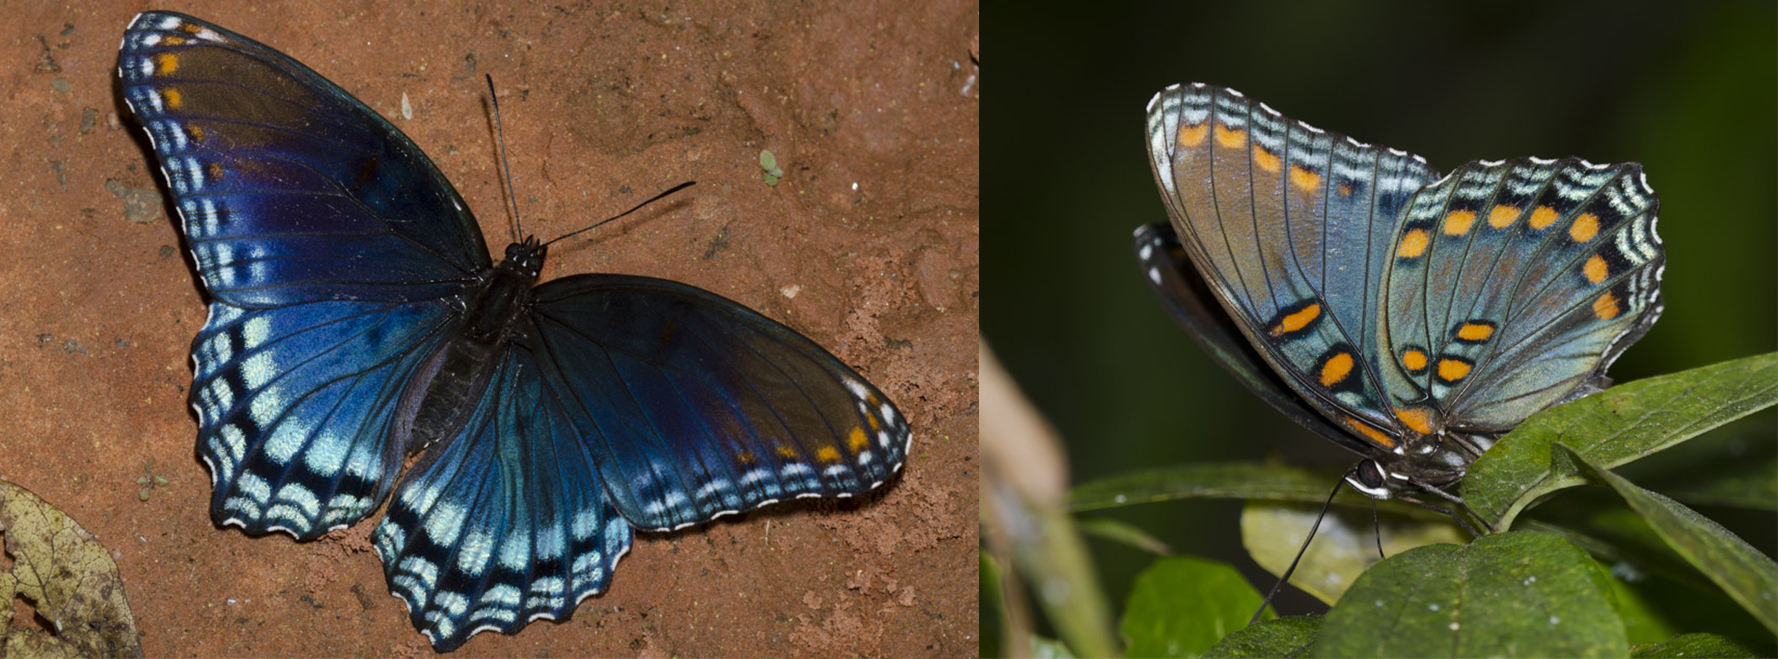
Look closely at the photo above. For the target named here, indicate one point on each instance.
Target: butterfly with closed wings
(1410, 318)
(357, 318)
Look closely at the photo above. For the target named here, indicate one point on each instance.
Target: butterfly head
(525, 258)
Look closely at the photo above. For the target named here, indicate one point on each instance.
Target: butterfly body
(1409, 317)
(442, 392)
(357, 318)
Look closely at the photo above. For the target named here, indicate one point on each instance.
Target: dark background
(1688, 91)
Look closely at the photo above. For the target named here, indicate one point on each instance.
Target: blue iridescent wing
(289, 189)
(696, 406)
(1290, 226)
(331, 248)
(505, 524)
(293, 404)
(1515, 284)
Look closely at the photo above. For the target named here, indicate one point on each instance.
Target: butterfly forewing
(1290, 226)
(289, 189)
(705, 407)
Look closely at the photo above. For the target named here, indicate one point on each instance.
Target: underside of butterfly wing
(1515, 284)
(1290, 226)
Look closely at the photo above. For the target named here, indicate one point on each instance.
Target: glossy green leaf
(1124, 534)
(1515, 594)
(1344, 547)
(1748, 576)
(1693, 645)
(1181, 605)
(1284, 637)
(1615, 427)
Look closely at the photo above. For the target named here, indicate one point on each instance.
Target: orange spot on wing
(166, 63)
(1193, 136)
(1304, 179)
(1229, 138)
(174, 98)
(857, 441)
(1457, 223)
(1345, 189)
(1298, 320)
(1543, 217)
(196, 133)
(1413, 359)
(1585, 227)
(1266, 160)
(213, 171)
(1413, 244)
(1452, 370)
(828, 455)
(746, 457)
(1606, 307)
(1336, 369)
(1503, 216)
(786, 452)
(1596, 269)
(1416, 419)
(172, 41)
(1374, 434)
(1475, 332)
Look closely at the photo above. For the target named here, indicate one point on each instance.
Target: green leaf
(1285, 637)
(1181, 605)
(992, 605)
(1122, 533)
(1748, 576)
(1048, 648)
(1746, 482)
(68, 577)
(1508, 594)
(1344, 547)
(1693, 645)
(1615, 427)
(1204, 480)
(767, 161)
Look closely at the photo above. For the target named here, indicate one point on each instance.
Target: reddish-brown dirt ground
(869, 246)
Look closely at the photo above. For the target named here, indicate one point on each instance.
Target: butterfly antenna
(614, 218)
(506, 168)
(1299, 552)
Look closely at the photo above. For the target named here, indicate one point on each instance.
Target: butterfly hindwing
(293, 403)
(1289, 225)
(698, 406)
(504, 523)
(289, 189)
(1184, 293)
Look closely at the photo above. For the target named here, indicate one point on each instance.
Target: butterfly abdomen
(442, 395)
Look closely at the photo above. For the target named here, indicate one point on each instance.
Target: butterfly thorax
(442, 394)
(1436, 460)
